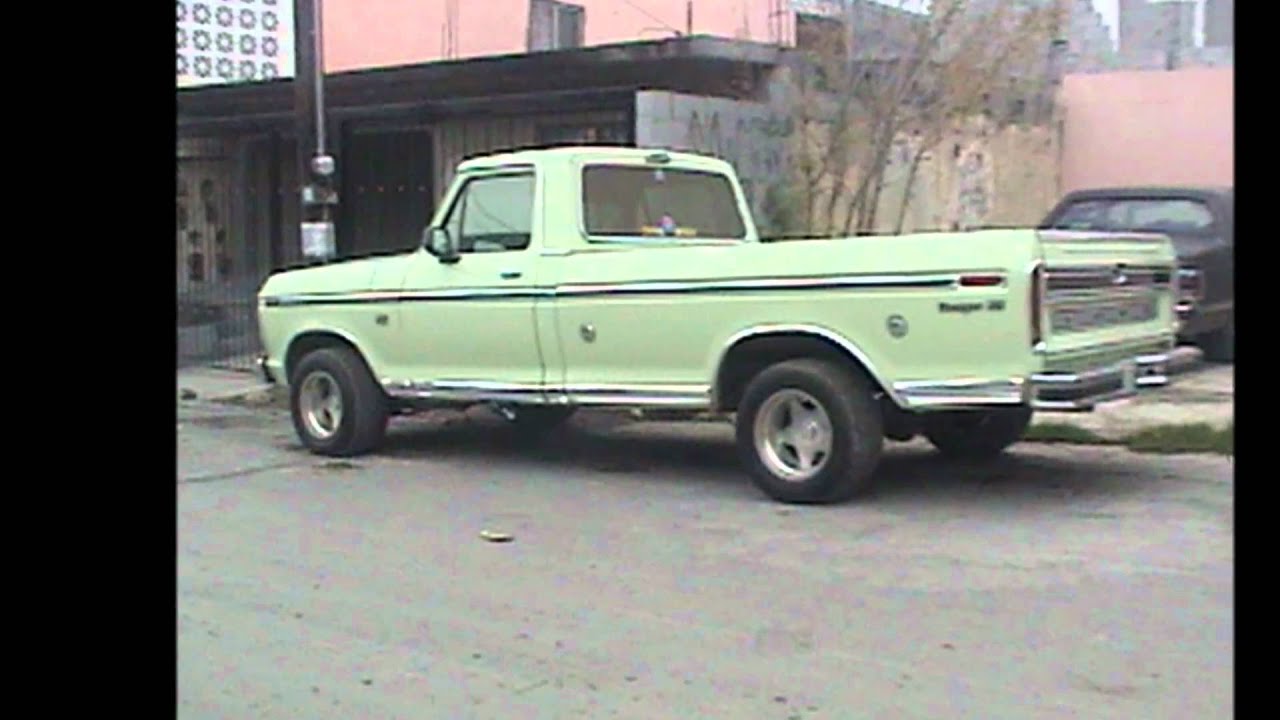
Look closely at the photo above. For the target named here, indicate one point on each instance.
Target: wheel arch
(748, 352)
(308, 341)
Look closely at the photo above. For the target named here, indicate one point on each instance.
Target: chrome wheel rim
(793, 435)
(320, 404)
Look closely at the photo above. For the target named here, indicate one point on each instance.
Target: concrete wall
(749, 135)
(978, 175)
(1148, 128)
(375, 33)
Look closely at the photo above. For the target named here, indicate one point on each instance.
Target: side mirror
(438, 242)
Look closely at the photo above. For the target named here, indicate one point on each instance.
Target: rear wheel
(337, 408)
(809, 432)
(977, 434)
(1220, 345)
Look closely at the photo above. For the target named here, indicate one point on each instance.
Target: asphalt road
(646, 579)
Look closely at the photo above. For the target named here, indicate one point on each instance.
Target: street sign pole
(315, 166)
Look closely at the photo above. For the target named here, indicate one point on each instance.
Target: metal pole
(317, 36)
(316, 232)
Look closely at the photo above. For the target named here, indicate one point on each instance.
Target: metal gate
(223, 252)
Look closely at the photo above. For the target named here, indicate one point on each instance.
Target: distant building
(1156, 35)
(1219, 23)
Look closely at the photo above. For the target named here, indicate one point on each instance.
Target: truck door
(469, 325)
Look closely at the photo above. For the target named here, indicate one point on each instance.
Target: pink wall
(1149, 128)
(373, 33)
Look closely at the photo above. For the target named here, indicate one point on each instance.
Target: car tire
(353, 424)
(1220, 345)
(977, 434)
(810, 432)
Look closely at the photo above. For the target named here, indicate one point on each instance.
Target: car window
(630, 201)
(1172, 215)
(494, 214)
(1083, 215)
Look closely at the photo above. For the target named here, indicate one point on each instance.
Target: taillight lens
(1037, 304)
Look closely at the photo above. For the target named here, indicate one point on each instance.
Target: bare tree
(883, 78)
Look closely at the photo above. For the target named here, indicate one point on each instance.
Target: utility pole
(315, 165)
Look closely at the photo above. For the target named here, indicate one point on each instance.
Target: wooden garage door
(386, 196)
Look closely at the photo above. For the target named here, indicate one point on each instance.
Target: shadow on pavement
(704, 455)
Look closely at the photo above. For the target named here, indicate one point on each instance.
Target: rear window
(1160, 215)
(629, 201)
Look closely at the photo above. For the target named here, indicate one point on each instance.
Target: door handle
(510, 274)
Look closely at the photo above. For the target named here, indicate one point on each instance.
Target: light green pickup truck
(558, 279)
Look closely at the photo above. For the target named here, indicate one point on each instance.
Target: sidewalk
(1203, 394)
(206, 384)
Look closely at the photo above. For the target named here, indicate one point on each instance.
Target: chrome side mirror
(438, 242)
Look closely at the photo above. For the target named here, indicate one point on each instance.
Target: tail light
(1038, 288)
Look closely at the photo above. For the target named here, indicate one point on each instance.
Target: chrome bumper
(261, 362)
(1081, 392)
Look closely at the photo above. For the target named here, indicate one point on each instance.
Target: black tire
(362, 424)
(1220, 345)
(857, 432)
(977, 434)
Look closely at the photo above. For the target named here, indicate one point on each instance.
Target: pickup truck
(1201, 223)
(556, 279)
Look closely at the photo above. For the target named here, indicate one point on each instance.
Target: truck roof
(538, 155)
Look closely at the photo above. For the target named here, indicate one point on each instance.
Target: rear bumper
(1083, 391)
(1058, 391)
(264, 369)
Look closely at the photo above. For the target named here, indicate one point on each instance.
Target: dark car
(1200, 221)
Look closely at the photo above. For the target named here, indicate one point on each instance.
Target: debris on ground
(495, 536)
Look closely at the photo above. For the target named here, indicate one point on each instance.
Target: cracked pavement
(646, 578)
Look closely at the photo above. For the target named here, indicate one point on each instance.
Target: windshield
(629, 201)
(1160, 215)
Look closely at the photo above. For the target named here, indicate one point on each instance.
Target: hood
(344, 276)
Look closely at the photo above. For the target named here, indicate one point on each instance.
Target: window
(629, 201)
(555, 25)
(1174, 215)
(494, 214)
(1158, 215)
(1087, 215)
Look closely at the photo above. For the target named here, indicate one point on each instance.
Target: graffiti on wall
(748, 135)
(973, 186)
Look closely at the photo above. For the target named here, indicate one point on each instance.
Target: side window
(1084, 215)
(494, 214)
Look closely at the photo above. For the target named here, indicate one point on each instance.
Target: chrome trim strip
(816, 331)
(468, 391)
(746, 284)
(937, 280)
(923, 394)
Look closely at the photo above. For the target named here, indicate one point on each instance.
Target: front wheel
(337, 407)
(810, 432)
(977, 434)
